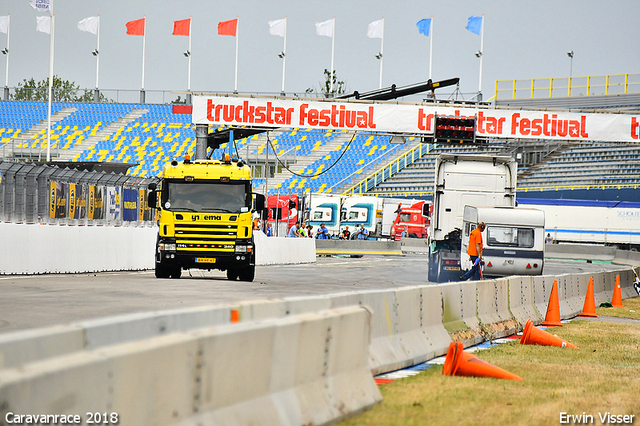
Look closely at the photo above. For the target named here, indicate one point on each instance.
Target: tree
(63, 91)
(339, 87)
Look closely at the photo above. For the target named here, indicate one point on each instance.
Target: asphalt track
(45, 300)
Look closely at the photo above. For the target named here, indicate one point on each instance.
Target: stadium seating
(331, 160)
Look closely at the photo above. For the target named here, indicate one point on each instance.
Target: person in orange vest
(475, 253)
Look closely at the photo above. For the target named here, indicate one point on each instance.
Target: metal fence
(613, 84)
(31, 193)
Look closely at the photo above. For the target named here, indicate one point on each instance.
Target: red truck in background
(415, 218)
(283, 212)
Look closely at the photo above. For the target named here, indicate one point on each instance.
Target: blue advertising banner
(130, 211)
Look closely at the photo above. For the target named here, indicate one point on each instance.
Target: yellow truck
(205, 209)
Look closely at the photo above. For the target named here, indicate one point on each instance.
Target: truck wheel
(248, 274)
(176, 272)
(232, 274)
(162, 271)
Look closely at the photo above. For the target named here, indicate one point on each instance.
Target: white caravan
(513, 240)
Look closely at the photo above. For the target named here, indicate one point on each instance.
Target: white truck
(464, 180)
(325, 208)
(376, 213)
(513, 239)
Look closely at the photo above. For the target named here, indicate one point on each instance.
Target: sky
(522, 40)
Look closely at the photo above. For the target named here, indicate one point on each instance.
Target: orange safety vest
(475, 238)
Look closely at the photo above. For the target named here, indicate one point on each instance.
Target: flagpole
(144, 39)
(6, 84)
(431, 48)
(381, 52)
(235, 86)
(189, 71)
(284, 51)
(51, 44)
(481, 56)
(333, 46)
(98, 55)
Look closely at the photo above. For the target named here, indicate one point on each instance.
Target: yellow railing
(587, 187)
(389, 170)
(613, 84)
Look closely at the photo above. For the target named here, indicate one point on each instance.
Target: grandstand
(323, 161)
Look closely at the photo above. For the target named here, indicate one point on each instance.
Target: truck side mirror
(259, 203)
(151, 200)
(425, 210)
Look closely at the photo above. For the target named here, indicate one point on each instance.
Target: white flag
(325, 28)
(376, 29)
(4, 24)
(43, 24)
(42, 5)
(89, 25)
(278, 28)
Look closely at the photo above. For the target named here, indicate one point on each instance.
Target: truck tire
(248, 274)
(232, 274)
(176, 272)
(162, 271)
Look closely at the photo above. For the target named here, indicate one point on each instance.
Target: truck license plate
(205, 260)
(451, 268)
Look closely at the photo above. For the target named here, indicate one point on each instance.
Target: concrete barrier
(459, 312)
(43, 249)
(521, 300)
(579, 252)
(493, 308)
(627, 278)
(414, 245)
(26, 346)
(358, 247)
(307, 369)
(283, 251)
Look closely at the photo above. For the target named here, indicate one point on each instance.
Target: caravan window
(317, 215)
(506, 236)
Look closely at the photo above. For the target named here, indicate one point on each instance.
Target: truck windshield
(206, 197)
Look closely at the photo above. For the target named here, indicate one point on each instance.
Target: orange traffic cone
(460, 363)
(616, 300)
(589, 309)
(532, 335)
(553, 310)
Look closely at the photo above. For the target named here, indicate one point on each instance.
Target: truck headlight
(241, 249)
(168, 246)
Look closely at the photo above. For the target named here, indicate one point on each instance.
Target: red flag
(182, 28)
(136, 27)
(228, 27)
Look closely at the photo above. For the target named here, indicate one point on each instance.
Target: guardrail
(294, 352)
(390, 169)
(567, 86)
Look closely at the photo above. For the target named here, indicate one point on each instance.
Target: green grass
(602, 376)
(631, 310)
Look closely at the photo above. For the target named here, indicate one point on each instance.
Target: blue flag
(424, 25)
(475, 24)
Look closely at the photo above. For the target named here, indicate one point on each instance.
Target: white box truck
(464, 180)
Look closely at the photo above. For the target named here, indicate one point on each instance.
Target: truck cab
(205, 218)
(415, 218)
